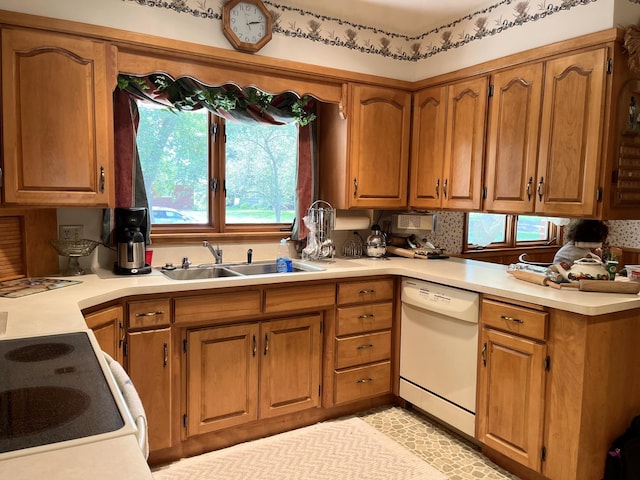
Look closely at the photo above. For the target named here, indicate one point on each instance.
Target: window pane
(532, 229)
(173, 148)
(486, 228)
(260, 173)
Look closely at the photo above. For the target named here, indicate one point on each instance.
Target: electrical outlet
(70, 232)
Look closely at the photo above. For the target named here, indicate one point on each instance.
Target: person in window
(582, 236)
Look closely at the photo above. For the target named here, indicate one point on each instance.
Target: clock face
(248, 22)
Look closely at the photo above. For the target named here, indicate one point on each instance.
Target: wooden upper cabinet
(379, 146)
(57, 119)
(512, 139)
(364, 159)
(427, 148)
(448, 145)
(571, 134)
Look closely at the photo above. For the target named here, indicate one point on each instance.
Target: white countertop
(59, 310)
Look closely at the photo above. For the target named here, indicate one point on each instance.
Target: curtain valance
(248, 104)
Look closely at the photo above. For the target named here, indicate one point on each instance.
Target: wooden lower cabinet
(108, 327)
(149, 367)
(511, 384)
(363, 340)
(240, 373)
(511, 381)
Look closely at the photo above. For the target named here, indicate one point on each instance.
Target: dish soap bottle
(283, 262)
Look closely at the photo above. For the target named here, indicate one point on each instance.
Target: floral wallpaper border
(298, 23)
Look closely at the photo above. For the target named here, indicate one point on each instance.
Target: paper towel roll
(361, 222)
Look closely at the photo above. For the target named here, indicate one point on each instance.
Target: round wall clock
(246, 24)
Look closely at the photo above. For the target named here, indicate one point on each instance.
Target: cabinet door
(222, 377)
(108, 327)
(511, 395)
(379, 147)
(571, 133)
(291, 359)
(512, 148)
(58, 121)
(464, 153)
(427, 154)
(149, 368)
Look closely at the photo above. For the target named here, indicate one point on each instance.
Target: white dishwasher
(438, 351)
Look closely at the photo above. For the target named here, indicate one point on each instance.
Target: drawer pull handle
(367, 316)
(363, 347)
(365, 292)
(511, 319)
(149, 314)
(365, 380)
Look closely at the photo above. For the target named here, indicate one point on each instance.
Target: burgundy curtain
(129, 185)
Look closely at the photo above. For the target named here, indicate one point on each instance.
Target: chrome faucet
(216, 252)
(186, 262)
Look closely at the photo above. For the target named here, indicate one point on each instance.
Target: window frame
(178, 233)
(510, 243)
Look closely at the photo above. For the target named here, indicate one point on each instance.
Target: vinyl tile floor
(452, 454)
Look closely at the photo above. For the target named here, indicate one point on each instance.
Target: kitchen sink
(262, 268)
(198, 273)
(235, 270)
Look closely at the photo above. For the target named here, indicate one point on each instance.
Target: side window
(492, 230)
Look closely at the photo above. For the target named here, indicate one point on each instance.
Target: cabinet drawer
(150, 313)
(362, 382)
(365, 291)
(362, 349)
(217, 306)
(299, 298)
(519, 320)
(364, 318)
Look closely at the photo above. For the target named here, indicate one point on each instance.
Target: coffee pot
(376, 245)
(131, 227)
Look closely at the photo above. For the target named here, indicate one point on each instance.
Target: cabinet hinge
(484, 193)
(321, 326)
(214, 131)
(1, 178)
(319, 390)
(610, 66)
(184, 420)
(490, 92)
(125, 349)
(547, 363)
(184, 345)
(543, 453)
(599, 194)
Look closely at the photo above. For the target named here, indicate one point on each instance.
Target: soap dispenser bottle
(283, 261)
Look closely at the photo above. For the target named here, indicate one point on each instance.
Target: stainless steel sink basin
(235, 270)
(264, 268)
(198, 273)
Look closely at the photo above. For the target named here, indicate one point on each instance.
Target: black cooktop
(52, 389)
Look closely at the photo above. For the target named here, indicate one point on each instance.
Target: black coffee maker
(131, 229)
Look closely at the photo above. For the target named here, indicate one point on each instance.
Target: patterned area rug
(342, 449)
